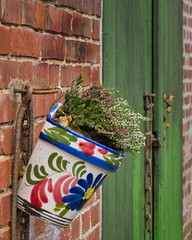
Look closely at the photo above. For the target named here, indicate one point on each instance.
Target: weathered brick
(66, 22)
(68, 3)
(41, 104)
(5, 40)
(95, 214)
(75, 231)
(53, 75)
(37, 129)
(28, 10)
(5, 208)
(85, 221)
(12, 11)
(53, 19)
(5, 173)
(69, 73)
(86, 75)
(0, 10)
(86, 27)
(95, 74)
(7, 140)
(92, 53)
(5, 233)
(41, 13)
(90, 201)
(9, 112)
(8, 70)
(77, 24)
(41, 75)
(97, 8)
(26, 42)
(86, 6)
(95, 234)
(53, 47)
(26, 71)
(75, 51)
(65, 233)
(96, 30)
(37, 227)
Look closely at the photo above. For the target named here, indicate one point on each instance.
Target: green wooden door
(142, 52)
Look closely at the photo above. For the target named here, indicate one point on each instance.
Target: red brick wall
(48, 43)
(187, 120)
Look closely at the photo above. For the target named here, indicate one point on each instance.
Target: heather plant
(97, 113)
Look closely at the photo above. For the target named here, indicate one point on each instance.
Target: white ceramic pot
(64, 171)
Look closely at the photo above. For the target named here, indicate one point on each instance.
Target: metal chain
(148, 166)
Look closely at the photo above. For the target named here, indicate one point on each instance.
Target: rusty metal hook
(62, 92)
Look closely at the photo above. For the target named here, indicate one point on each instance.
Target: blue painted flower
(79, 195)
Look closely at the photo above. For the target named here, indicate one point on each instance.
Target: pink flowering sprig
(107, 119)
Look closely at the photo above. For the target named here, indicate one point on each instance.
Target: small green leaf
(79, 170)
(37, 174)
(64, 164)
(42, 169)
(120, 159)
(61, 139)
(51, 137)
(60, 205)
(28, 175)
(108, 161)
(115, 162)
(58, 162)
(50, 161)
(75, 165)
(62, 213)
(59, 130)
(56, 209)
(82, 173)
(113, 155)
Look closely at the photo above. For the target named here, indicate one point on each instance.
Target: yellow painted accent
(89, 193)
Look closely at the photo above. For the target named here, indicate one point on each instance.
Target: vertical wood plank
(168, 159)
(127, 53)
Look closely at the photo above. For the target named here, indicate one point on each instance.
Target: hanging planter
(66, 167)
(64, 171)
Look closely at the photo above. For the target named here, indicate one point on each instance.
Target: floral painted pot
(64, 171)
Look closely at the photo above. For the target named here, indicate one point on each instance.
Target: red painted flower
(102, 151)
(87, 148)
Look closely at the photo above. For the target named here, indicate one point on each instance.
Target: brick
(68, 74)
(12, 11)
(41, 12)
(66, 22)
(98, 193)
(37, 227)
(97, 8)
(26, 71)
(5, 40)
(95, 74)
(92, 53)
(90, 201)
(53, 47)
(5, 208)
(41, 75)
(85, 221)
(0, 10)
(28, 10)
(86, 6)
(9, 112)
(37, 130)
(95, 214)
(86, 75)
(8, 70)
(77, 24)
(86, 27)
(41, 104)
(26, 42)
(65, 233)
(187, 48)
(96, 30)
(95, 234)
(7, 140)
(5, 173)
(68, 3)
(53, 20)
(75, 51)
(53, 75)
(5, 233)
(75, 231)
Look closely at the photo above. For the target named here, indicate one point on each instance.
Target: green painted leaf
(50, 162)
(28, 175)
(115, 162)
(62, 213)
(71, 137)
(57, 129)
(37, 174)
(109, 162)
(75, 165)
(58, 162)
(82, 173)
(51, 137)
(60, 138)
(64, 164)
(60, 205)
(113, 155)
(42, 169)
(79, 170)
(120, 159)
(56, 209)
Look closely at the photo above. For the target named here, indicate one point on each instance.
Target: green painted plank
(168, 159)
(127, 41)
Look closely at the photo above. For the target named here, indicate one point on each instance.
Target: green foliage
(107, 119)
